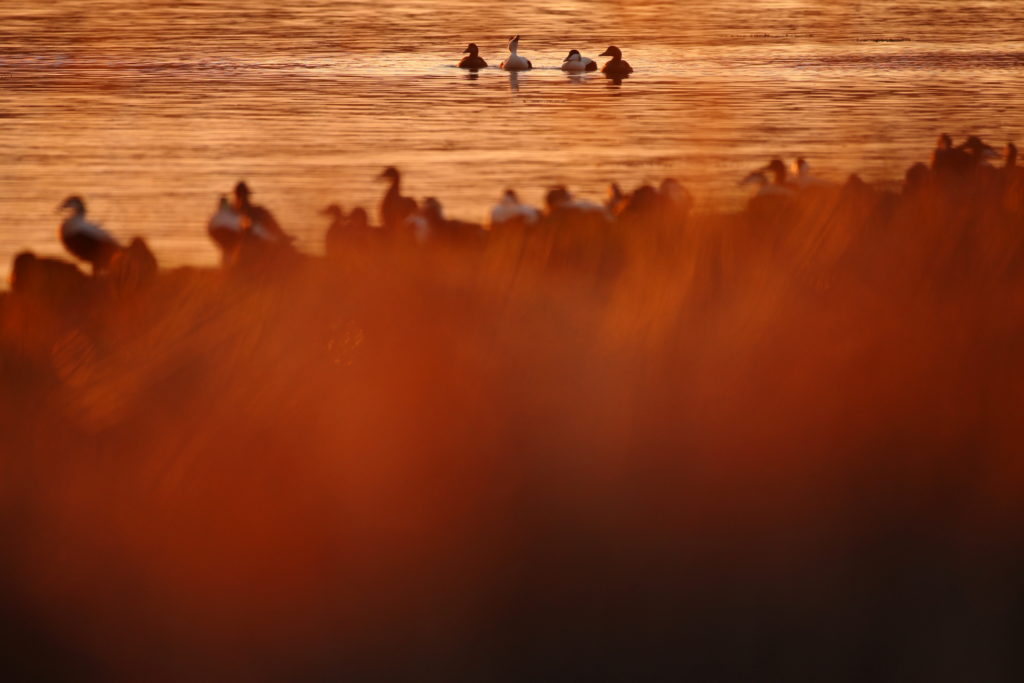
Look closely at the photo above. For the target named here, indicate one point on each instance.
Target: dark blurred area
(783, 444)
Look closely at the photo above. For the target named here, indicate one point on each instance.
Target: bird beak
(605, 54)
(466, 51)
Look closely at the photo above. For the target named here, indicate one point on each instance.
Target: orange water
(151, 109)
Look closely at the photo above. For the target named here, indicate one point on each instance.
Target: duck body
(510, 212)
(257, 221)
(86, 240)
(616, 66)
(577, 63)
(514, 61)
(395, 209)
(472, 60)
(225, 226)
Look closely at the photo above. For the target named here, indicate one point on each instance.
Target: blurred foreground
(779, 445)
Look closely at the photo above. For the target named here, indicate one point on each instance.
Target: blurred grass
(777, 445)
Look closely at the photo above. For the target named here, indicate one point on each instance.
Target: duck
(559, 202)
(85, 240)
(257, 220)
(802, 178)
(345, 229)
(430, 225)
(472, 60)
(394, 208)
(515, 62)
(225, 225)
(577, 62)
(616, 66)
(509, 211)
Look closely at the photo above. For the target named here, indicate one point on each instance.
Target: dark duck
(86, 240)
(616, 66)
(472, 60)
(394, 208)
(257, 220)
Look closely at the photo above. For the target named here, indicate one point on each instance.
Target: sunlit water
(150, 110)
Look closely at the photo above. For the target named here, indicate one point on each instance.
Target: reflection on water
(150, 110)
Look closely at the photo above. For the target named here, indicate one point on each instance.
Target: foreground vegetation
(779, 444)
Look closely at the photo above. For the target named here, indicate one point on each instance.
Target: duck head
(613, 52)
(242, 192)
(776, 167)
(513, 43)
(944, 142)
(74, 203)
(471, 49)
(358, 218)
(332, 210)
(390, 173)
(574, 56)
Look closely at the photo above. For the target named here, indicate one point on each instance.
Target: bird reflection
(472, 75)
(513, 81)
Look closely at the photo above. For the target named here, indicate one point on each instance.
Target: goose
(510, 211)
(225, 226)
(85, 240)
(616, 66)
(577, 62)
(515, 62)
(394, 208)
(258, 220)
(472, 60)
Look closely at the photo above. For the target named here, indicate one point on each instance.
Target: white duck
(86, 240)
(515, 62)
(510, 211)
(576, 62)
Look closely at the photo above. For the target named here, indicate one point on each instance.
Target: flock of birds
(575, 62)
(239, 224)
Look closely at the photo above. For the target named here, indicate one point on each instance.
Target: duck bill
(605, 54)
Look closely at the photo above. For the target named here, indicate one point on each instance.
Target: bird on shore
(472, 60)
(257, 220)
(346, 229)
(225, 226)
(514, 61)
(576, 62)
(616, 66)
(394, 208)
(509, 211)
(86, 240)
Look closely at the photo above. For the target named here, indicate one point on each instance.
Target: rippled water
(151, 109)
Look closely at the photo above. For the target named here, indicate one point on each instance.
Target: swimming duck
(394, 208)
(616, 66)
(85, 240)
(510, 211)
(345, 229)
(225, 226)
(515, 62)
(258, 220)
(472, 60)
(577, 62)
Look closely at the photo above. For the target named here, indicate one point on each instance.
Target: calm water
(151, 109)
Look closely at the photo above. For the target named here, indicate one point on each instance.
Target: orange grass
(783, 444)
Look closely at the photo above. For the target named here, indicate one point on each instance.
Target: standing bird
(515, 62)
(472, 60)
(225, 226)
(257, 219)
(394, 208)
(84, 240)
(576, 62)
(616, 66)
(511, 212)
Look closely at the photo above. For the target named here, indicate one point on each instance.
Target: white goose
(576, 62)
(515, 62)
(86, 240)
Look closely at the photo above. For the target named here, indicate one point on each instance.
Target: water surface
(151, 109)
